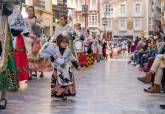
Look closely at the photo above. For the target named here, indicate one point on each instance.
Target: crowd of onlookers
(149, 55)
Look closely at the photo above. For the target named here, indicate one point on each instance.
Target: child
(62, 83)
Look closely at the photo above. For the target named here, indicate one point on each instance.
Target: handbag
(7, 9)
(37, 30)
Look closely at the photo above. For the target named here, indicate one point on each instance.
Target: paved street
(106, 88)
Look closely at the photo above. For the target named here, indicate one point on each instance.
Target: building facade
(43, 10)
(127, 18)
(163, 14)
(87, 13)
(63, 7)
(154, 14)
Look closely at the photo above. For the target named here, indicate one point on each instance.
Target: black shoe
(34, 75)
(41, 75)
(53, 95)
(64, 98)
(162, 106)
(3, 104)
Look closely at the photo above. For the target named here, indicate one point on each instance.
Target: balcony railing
(92, 24)
(39, 4)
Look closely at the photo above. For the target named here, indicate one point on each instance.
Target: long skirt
(60, 91)
(104, 52)
(82, 59)
(21, 59)
(8, 78)
(34, 56)
(90, 59)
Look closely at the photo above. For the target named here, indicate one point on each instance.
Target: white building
(129, 18)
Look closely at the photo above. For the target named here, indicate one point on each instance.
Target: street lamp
(104, 19)
(63, 6)
(85, 13)
(104, 23)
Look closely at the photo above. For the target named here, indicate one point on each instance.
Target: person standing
(88, 48)
(64, 29)
(79, 45)
(33, 41)
(18, 30)
(94, 45)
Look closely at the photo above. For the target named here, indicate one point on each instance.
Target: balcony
(39, 4)
(59, 10)
(93, 24)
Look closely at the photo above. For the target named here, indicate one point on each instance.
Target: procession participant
(64, 28)
(33, 44)
(88, 48)
(8, 69)
(79, 38)
(94, 45)
(79, 45)
(63, 82)
(18, 29)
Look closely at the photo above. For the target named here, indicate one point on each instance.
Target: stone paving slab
(106, 88)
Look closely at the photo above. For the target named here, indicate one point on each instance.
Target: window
(123, 24)
(109, 24)
(93, 20)
(137, 24)
(94, 3)
(81, 19)
(80, 4)
(137, 9)
(108, 7)
(151, 24)
(123, 10)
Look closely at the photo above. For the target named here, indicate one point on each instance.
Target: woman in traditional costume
(33, 44)
(64, 28)
(80, 46)
(8, 70)
(18, 29)
(88, 48)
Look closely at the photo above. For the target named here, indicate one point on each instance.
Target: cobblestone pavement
(107, 88)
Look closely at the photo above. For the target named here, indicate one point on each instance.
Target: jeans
(157, 68)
